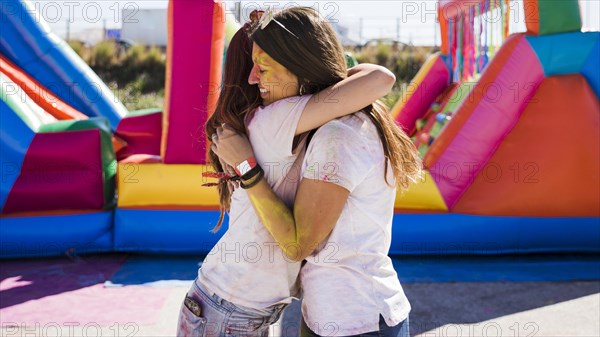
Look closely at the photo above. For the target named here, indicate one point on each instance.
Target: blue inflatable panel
(591, 69)
(53, 235)
(166, 231)
(458, 234)
(182, 232)
(563, 54)
(15, 138)
(28, 42)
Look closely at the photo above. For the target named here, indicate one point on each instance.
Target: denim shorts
(221, 318)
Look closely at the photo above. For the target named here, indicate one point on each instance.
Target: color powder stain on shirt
(325, 178)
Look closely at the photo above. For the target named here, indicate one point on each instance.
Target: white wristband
(245, 166)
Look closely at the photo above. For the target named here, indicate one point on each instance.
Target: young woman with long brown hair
(246, 280)
(341, 219)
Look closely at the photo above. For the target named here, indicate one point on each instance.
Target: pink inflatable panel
(60, 173)
(501, 102)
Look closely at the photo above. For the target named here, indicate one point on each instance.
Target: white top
(247, 267)
(349, 280)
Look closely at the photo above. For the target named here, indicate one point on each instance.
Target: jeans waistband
(272, 313)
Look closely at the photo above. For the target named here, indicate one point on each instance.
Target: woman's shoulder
(357, 125)
(284, 103)
(279, 111)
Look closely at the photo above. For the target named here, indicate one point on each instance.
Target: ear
(307, 87)
(303, 86)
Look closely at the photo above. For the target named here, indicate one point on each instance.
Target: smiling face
(274, 80)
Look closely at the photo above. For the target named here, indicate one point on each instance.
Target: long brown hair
(314, 54)
(309, 48)
(236, 100)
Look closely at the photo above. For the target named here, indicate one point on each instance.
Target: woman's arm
(365, 84)
(317, 207)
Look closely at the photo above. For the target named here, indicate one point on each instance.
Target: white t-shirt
(247, 267)
(349, 280)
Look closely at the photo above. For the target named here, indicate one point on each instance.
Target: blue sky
(411, 21)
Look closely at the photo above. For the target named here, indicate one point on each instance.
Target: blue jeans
(399, 330)
(220, 318)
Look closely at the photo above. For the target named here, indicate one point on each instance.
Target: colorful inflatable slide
(509, 139)
(63, 131)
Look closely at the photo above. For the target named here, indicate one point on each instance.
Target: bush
(403, 60)
(79, 48)
(133, 98)
(104, 56)
(136, 75)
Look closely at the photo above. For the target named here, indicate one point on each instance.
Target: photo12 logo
(68, 329)
(328, 11)
(71, 11)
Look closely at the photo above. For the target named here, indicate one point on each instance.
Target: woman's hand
(231, 147)
(231, 185)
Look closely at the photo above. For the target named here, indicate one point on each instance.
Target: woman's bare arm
(365, 84)
(317, 209)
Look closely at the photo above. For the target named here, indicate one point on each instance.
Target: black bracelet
(252, 173)
(258, 178)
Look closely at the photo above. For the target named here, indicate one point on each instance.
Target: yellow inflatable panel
(140, 185)
(144, 185)
(422, 195)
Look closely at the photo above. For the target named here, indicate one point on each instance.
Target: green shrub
(403, 60)
(153, 69)
(133, 98)
(390, 99)
(137, 74)
(104, 55)
(77, 46)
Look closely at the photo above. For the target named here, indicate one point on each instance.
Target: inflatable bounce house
(509, 139)
(69, 147)
(509, 135)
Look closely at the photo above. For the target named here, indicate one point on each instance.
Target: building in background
(342, 32)
(149, 27)
(145, 26)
